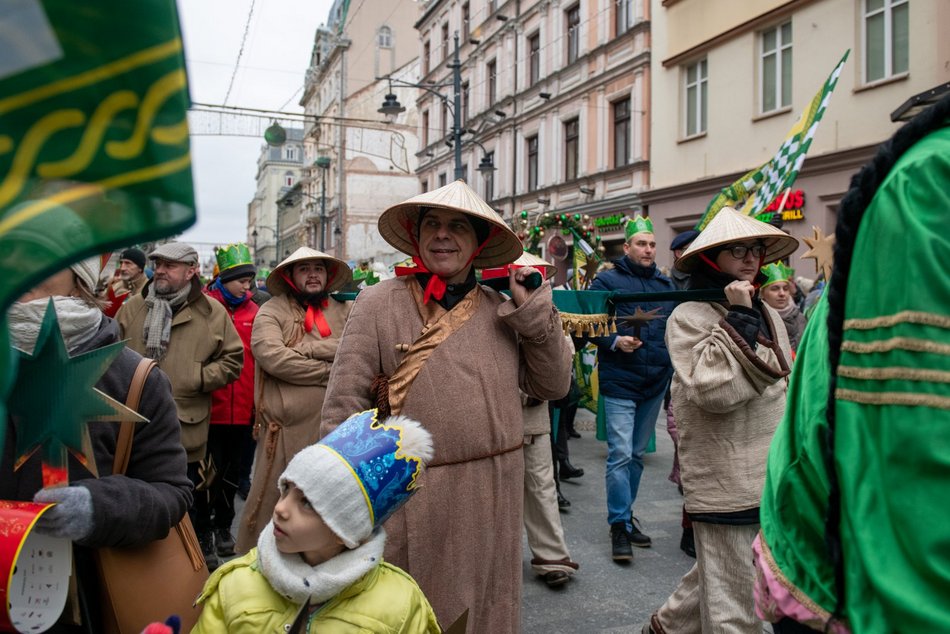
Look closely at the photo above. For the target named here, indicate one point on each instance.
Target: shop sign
(794, 207)
(612, 222)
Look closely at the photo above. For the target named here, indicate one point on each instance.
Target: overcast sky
(271, 72)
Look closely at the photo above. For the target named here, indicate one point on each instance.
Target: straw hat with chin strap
(338, 273)
(730, 226)
(398, 224)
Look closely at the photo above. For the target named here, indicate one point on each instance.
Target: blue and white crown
(362, 472)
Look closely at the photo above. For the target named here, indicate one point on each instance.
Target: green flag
(94, 150)
(756, 190)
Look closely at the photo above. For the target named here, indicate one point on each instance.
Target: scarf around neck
(298, 581)
(78, 321)
(158, 320)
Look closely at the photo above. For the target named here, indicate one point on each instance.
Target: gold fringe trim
(903, 317)
(598, 325)
(912, 399)
(894, 372)
(896, 343)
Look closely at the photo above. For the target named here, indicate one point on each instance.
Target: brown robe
(290, 382)
(460, 535)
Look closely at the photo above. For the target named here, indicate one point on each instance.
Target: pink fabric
(773, 601)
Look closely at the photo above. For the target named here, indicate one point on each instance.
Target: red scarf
(437, 285)
(314, 315)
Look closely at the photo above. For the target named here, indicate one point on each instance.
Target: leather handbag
(149, 583)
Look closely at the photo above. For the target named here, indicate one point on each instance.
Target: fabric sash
(439, 325)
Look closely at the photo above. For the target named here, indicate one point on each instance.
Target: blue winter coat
(645, 372)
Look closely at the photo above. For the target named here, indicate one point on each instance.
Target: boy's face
(300, 529)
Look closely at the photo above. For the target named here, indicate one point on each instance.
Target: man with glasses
(728, 391)
(634, 370)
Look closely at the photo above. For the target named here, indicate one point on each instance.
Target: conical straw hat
(338, 273)
(397, 224)
(529, 259)
(497, 276)
(730, 226)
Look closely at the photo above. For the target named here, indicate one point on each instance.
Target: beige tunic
(290, 382)
(728, 401)
(460, 535)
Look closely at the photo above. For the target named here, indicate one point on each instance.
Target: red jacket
(233, 404)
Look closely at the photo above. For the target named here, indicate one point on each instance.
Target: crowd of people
(403, 441)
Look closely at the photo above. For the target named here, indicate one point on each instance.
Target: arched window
(290, 152)
(288, 179)
(384, 37)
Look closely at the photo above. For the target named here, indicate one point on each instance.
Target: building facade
(279, 169)
(356, 163)
(554, 94)
(730, 78)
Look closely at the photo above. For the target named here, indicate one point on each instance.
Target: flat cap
(175, 252)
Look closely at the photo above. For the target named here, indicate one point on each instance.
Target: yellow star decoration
(639, 318)
(590, 270)
(822, 251)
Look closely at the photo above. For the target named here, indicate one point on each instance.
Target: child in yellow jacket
(318, 565)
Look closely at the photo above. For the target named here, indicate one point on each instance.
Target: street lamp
(391, 106)
(323, 162)
(254, 235)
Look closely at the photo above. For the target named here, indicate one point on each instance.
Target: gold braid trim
(903, 317)
(894, 398)
(806, 601)
(896, 343)
(895, 372)
(597, 325)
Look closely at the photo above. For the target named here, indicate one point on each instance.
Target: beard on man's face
(313, 299)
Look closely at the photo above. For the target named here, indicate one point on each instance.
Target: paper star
(590, 269)
(54, 397)
(822, 251)
(639, 318)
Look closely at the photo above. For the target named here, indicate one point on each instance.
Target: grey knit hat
(175, 252)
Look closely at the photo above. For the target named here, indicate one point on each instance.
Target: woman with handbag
(126, 511)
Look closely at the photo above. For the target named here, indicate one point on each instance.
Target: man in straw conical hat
(434, 345)
(730, 362)
(294, 342)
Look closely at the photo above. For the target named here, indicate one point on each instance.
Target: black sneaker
(637, 538)
(206, 540)
(224, 542)
(568, 471)
(620, 543)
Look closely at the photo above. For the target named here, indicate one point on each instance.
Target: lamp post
(254, 235)
(323, 162)
(391, 107)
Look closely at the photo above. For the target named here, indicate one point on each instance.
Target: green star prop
(54, 397)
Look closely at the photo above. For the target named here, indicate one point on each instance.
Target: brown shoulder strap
(123, 445)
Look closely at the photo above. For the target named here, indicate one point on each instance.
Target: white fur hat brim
(334, 491)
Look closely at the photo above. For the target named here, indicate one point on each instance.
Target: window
(425, 128)
(445, 41)
(886, 34)
(571, 143)
(424, 185)
(288, 179)
(534, 58)
(696, 98)
(465, 22)
(385, 37)
(290, 152)
(776, 68)
(623, 16)
(492, 72)
(426, 51)
(621, 132)
(573, 33)
(465, 100)
(532, 143)
(490, 177)
(442, 179)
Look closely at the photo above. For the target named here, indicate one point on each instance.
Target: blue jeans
(629, 426)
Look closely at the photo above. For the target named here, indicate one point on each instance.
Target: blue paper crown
(373, 453)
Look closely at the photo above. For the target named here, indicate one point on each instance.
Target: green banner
(94, 150)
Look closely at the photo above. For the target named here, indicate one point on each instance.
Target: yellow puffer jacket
(238, 599)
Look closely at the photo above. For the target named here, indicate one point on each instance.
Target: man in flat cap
(195, 343)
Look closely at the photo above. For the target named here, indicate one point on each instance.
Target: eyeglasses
(739, 251)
